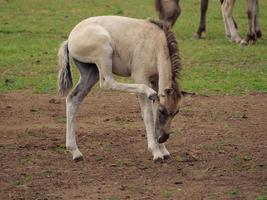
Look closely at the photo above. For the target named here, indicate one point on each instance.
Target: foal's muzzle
(163, 137)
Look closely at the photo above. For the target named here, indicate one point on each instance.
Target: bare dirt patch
(226, 137)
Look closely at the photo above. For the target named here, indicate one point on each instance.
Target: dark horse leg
(202, 23)
(258, 31)
(254, 31)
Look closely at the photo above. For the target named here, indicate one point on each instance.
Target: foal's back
(132, 41)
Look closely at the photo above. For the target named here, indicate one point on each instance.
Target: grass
(61, 149)
(234, 192)
(262, 197)
(22, 180)
(123, 163)
(112, 198)
(31, 32)
(167, 193)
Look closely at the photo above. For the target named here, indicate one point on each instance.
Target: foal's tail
(64, 73)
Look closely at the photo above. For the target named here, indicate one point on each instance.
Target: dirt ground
(218, 147)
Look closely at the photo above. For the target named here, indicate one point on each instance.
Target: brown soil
(224, 136)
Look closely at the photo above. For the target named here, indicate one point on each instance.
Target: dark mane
(172, 46)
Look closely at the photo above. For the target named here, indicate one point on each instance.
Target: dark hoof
(158, 160)
(163, 138)
(78, 159)
(167, 157)
(259, 34)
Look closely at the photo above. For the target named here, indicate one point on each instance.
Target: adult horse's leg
(251, 36)
(153, 146)
(202, 23)
(258, 30)
(229, 24)
(88, 77)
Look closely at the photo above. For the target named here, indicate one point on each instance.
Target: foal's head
(167, 107)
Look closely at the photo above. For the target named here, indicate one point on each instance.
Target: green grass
(31, 32)
(262, 197)
(167, 193)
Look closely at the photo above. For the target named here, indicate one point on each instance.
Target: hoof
(167, 157)
(244, 42)
(236, 40)
(78, 159)
(259, 34)
(158, 160)
(198, 36)
(77, 156)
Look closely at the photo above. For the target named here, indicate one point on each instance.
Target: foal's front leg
(108, 82)
(158, 151)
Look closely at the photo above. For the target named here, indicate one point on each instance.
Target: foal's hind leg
(88, 78)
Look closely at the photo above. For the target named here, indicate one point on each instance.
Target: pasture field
(219, 140)
(32, 30)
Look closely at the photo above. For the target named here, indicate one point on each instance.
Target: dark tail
(64, 73)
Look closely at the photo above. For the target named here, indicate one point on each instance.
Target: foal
(144, 50)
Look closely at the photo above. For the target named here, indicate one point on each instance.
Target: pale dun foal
(144, 50)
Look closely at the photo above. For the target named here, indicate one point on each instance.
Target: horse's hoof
(244, 43)
(167, 157)
(78, 159)
(197, 36)
(259, 34)
(77, 156)
(237, 41)
(158, 160)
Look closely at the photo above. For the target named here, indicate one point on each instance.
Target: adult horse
(227, 6)
(230, 25)
(144, 50)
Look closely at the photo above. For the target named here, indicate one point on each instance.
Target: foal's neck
(164, 71)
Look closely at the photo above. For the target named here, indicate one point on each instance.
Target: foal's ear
(168, 91)
(153, 97)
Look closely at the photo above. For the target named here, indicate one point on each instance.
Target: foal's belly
(121, 66)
